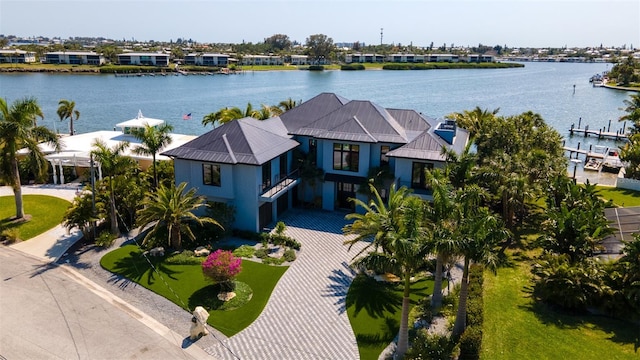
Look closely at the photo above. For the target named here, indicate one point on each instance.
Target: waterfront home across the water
(17, 56)
(143, 58)
(74, 58)
(320, 152)
(207, 59)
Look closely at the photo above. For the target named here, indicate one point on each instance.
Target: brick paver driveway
(305, 317)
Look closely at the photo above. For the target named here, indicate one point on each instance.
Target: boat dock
(603, 133)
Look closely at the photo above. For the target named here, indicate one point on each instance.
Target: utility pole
(381, 32)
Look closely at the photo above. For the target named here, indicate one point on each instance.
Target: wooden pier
(604, 133)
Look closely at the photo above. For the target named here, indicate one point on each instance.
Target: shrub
(222, 267)
(186, 257)
(105, 239)
(475, 302)
(10, 236)
(272, 261)
(262, 253)
(316, 68)
(244, 251)
(289, 255)
(425, 346)
(470, 343)
(224, 214)
(352, 67)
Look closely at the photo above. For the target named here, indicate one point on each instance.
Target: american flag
(186, 116)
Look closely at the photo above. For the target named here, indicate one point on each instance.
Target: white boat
(593, 164)
(611, 162)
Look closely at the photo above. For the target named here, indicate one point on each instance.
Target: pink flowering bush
(222, 267)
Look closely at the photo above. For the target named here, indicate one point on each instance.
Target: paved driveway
(305, 317)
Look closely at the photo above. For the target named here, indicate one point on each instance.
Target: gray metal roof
(244, 141)
(424, 147)
(357, 120)
(428, 145)
(311, 110)
(410, 120)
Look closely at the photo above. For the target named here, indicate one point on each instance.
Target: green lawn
(515, 327)
(46, 212)
(189, 285)
(374, 310)
(620, 197)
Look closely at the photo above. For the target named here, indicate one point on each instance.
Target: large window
(417, 174)
(211, 174)
(266, 175)
(346, 157)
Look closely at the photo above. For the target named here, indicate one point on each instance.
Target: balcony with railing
(271, 193)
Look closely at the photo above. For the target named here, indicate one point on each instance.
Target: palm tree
(153, 140)
(18, 130)
(399, 232)
(67, 110)
(172, 208)
(632, 112)
(441, 215)
(479, 234)
(213, 118)
(288, 104)
(112, 163)
(475, 120)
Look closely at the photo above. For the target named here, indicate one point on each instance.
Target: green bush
(425, 346)
(262, 253)
(186, 257)
(223, 214)
(244, 251)
(105, 239)
(352, 67)
(10, 236)
(471, 343)
(273, 261)
(316, 68)
(475, 303)
(289, 255)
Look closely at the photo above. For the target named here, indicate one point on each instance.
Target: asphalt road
(51, 312)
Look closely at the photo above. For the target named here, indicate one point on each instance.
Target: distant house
(207, 59)
(262, 60)
(248, 163)
(299, 60)
(153, 59)
(74, 58)
(17, 56)
(363, 58)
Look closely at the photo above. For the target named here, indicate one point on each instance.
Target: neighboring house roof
(360, 121)
(428, 145)
(244, 141)
(311, 110)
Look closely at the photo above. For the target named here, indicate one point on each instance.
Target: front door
(265, 215)
(344, 192)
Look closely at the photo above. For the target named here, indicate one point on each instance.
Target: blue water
(545, 88)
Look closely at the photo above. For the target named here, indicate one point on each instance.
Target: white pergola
(76, 149)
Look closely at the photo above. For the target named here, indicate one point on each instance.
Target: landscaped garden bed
(187, 287)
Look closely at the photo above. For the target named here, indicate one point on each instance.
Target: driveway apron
(305, 317)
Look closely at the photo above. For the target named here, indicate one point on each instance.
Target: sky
(514, 23)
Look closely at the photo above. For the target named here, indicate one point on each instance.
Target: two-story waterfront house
(249, 163)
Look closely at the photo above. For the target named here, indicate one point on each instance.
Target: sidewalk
(52, 244)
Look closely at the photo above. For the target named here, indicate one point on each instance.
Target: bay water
(560, 92)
